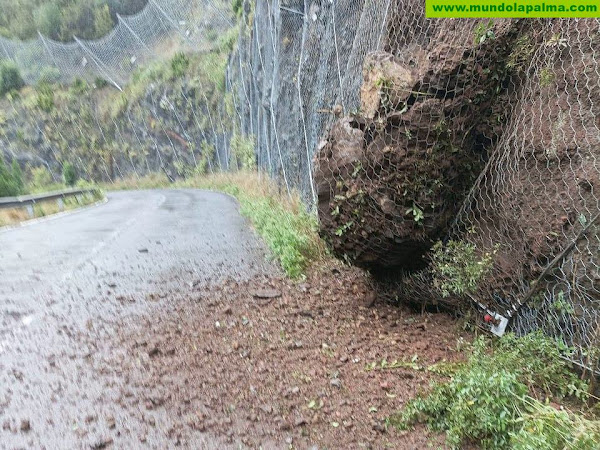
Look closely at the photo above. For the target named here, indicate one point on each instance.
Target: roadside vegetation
(15, 181)
(510, 394)
(36, 180)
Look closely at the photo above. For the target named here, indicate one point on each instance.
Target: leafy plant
(45, 97)
(100, 83)
(238, 7)
(458, 267)
(546, 77)
(10, 78)
(488, 400)
(179, 65)
(11, 179)
(484, 31)
(417, 213)
(546, 428)
(40, 179)
(242, 148)
(344, 228)
(69, 174)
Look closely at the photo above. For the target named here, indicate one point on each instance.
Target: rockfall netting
(131, 44)
(459, 158)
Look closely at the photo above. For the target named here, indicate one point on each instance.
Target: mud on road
(157, 353)
(273, 364)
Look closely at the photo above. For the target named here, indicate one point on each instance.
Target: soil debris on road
(311, 368)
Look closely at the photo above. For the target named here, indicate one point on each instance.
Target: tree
(69, 174)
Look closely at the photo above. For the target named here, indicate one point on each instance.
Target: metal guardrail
(27, 201)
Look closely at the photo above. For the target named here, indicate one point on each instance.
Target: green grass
(493, 400)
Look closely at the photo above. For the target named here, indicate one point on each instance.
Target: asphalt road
(61, 277)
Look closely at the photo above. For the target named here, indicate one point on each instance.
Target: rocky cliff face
(160, 123)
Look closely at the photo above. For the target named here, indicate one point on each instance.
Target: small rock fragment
(266, 293)
(25, 425)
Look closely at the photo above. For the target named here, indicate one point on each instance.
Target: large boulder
(391, 178)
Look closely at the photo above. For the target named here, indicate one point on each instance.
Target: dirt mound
(391, 177)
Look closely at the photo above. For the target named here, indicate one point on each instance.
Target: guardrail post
(79, 198)
(61, 204)
(30, 211)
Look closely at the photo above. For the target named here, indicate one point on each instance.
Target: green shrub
(47, 19)
(49, 75)
(69, 174)
(242, 148)
(458, 267)
(546, 428)
(40, 179)
(100, 83)
(487, 400)
(10, 78)
(238, 7)
(11, 179)
(79, 86)
(45, 97)
(103, 23)
(179, 65)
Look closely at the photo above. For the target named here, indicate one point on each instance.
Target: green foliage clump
(10, 78)
(287, 234)
(484, 31)
(179, 65)
(63, 19)
(242, 148)
(79, 87)
(49, 75)
(47, 19)
(546, 428)
(488, 399)
(11, 179)
(238, 7)
(100, 83)
(40, 180)
(103, 22)
(547, 77)
(69, 174)
(458, 268)
(45, 97)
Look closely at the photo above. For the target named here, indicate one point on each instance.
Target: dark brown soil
(278, 364)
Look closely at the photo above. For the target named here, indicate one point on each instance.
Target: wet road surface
(62, 278)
